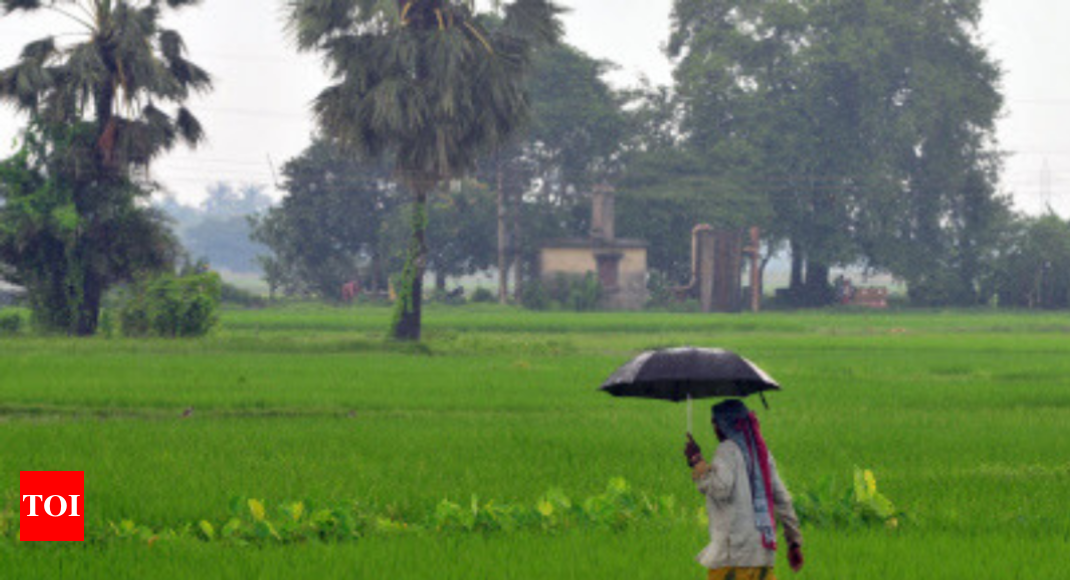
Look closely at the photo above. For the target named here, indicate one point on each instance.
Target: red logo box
(52, 506)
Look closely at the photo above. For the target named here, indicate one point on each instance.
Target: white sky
(262, 87)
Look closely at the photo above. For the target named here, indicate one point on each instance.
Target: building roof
(594, 244)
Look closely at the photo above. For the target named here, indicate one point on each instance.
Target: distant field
(961, 415)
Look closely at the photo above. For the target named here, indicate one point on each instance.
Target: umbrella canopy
(679, 374)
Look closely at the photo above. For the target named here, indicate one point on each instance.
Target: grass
(962, 415)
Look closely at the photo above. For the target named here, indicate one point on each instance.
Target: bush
(659, 288)
(10, 323)
(688, 306)
(453, 297)
(172, 306)
(586, 294)
(231, 294)
(535, 297)
(483, 295)
(571, 292)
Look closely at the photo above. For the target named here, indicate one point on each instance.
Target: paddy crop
(962, 416)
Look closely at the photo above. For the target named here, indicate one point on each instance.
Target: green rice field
(963, 417)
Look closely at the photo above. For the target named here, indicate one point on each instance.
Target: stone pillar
(602, 213)
(705, 245)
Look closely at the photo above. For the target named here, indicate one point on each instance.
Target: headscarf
(740, 425)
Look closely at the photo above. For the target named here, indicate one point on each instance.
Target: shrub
(535, 296)
(10, 323)
(586, 294)
(231, 294)
(574, 292)
(690, 305)
(453, 297)
(172, 306)
(483, 295)
(660, 290)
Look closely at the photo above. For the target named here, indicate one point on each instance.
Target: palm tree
(108, 85)
(432, 83)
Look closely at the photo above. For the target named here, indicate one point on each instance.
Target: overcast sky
(258, 110)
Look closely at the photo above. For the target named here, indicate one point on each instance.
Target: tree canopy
(434, 84)
(98, 104)
(869, 125)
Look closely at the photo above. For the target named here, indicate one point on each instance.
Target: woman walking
(744, 498)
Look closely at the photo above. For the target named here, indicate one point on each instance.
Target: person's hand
(692, 451)
(795, 557)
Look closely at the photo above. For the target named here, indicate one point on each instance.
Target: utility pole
(1045, 186)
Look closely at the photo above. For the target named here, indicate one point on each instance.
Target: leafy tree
(669, 186)
(460, 232)
(430, 83)
(329, 225)
(546, 173)
(54, 248)
(666, 193)
(869, 124)
(1035, 268)
(107, 88)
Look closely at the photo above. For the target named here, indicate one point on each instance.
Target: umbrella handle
(689, 413)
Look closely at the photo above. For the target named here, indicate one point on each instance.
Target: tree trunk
(518, 263)
(88, 311)
(440, 281)
(797, 264)
(503, 240)
(377, 278)
(818, 291)
(410, 294)
(761, 269)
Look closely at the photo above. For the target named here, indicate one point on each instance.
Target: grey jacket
(734, 538)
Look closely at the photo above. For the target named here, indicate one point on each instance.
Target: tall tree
(427, 81)
(869, 123)
(1035, 266)
(460, 232)
(329, 226)
(670, 184)
(571, 143)
(54, 248)
(106, 89)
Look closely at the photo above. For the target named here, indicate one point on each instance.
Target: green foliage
(620, 507)
(78, 224)
(507, 408)
(868, 128)
(120, 73)
(330, 227)
(572, 143)
(460, 231)
(660, 288)
(69, 238)
(535, 296)
(172, 306)
(233, 295)
(409, 286)
(1034, 270)
(449, 298)
(10, 322)
(573, 292)
(434, 85)
(585, 295)
(860, 505)
(483, 295)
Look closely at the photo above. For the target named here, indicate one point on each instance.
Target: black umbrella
(682, 374)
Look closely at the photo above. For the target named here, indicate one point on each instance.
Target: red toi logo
(52, 506)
